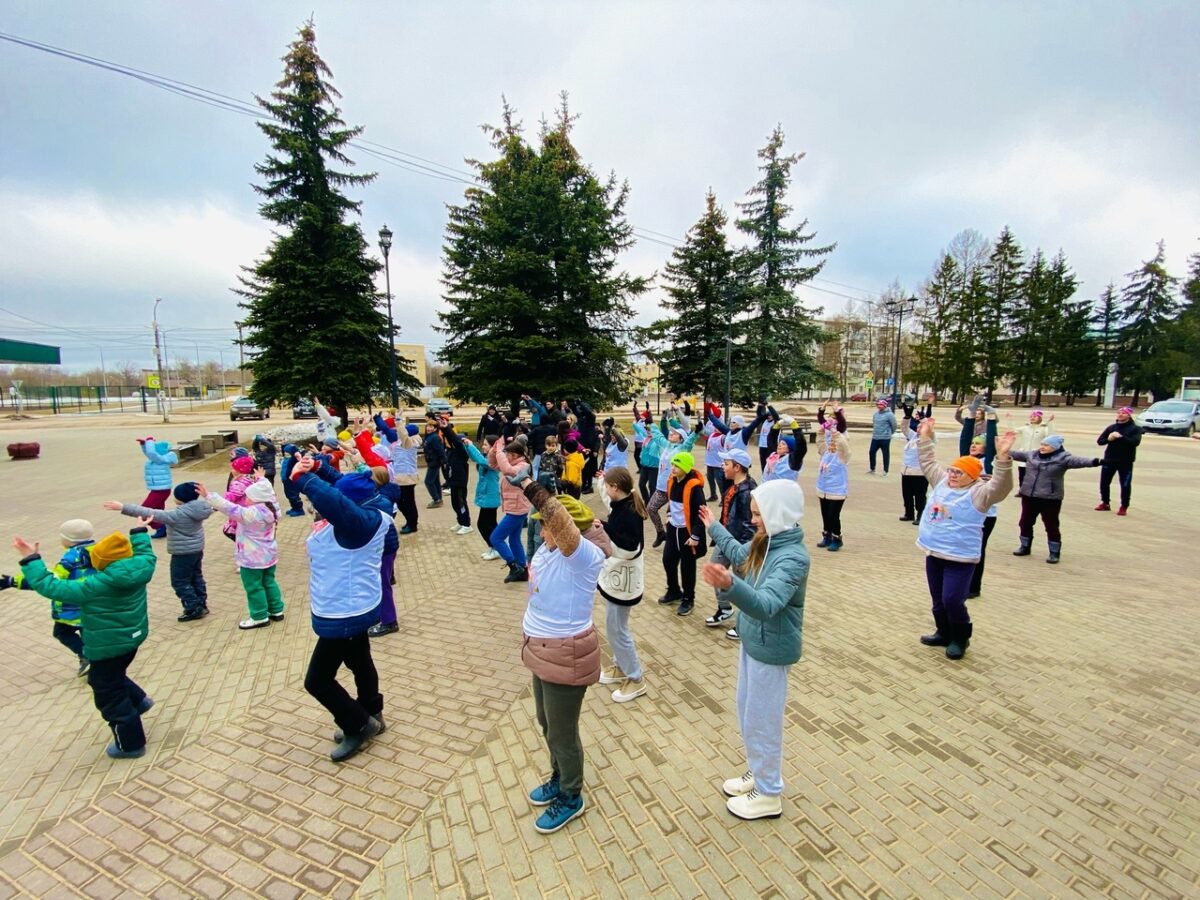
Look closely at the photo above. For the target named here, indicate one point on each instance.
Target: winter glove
(6, 581)
(520, 475)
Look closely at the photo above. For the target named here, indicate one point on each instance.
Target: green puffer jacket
(771, 608)
(112, 601)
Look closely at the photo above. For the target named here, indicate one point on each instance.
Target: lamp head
(385, 240)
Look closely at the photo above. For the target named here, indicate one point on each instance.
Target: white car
(1172, 416)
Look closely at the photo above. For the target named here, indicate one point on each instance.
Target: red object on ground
(24, 451)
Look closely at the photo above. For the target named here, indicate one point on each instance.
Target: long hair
(758, 553)
(620, 478)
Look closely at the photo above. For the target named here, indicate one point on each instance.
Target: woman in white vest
(621, 581)
(951, 533)
(345, 551)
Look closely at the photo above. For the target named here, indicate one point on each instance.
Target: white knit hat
(76, 531)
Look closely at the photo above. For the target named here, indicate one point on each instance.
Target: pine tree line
(991, 316)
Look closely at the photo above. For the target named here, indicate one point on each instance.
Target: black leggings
(913, 489)
(408, 505)
(977, 579)
(831, 515)
(458, 500)
(485, 521)
(716, 481)
(646, 482)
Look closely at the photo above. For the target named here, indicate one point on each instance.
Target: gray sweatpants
(761, 696)
(616, 627)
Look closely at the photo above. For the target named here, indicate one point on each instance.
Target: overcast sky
(1077, 124)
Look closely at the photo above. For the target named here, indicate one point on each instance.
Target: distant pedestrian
(883, 426)
(1120, 442)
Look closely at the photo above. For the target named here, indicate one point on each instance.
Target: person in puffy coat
(264, 455)
(256, 550)
(560, 645)
(112, 604)
(767, 584)
(185, 545)
(157, 472)
(621, 581)
(510, 457)
(1042, 491)
(487, 494)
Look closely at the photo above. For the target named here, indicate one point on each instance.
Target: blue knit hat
(356, 487)
(289, 449)
(1053, 440)
(790, 441)
(412, 430)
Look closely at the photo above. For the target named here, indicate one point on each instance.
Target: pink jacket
(512, 498)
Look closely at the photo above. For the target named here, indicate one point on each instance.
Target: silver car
(1171, 416)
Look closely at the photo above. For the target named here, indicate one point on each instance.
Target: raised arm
(799, 449)
(385, 430)
(1081, 462)
(353, 525)
(718, 424)
(477, 456)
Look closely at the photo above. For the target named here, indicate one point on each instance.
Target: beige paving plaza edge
(1059, 758)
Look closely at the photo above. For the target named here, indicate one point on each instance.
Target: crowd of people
(561, 498)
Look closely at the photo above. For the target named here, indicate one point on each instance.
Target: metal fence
(79, 399)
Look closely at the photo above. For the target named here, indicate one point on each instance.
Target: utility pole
(241, 359)
(159, 360)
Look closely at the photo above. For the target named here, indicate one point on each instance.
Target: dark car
(901, 399)
(304, 409)
(246, 408)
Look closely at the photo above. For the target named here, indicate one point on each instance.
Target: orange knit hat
(969, 465)
(109, 549)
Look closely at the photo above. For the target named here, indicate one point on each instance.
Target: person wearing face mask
(1120, 442)
(951, 533)
(767, 584)
(1042, 491)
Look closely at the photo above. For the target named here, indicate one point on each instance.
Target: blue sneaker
(562, 810)
(117, 753)
(544, 794)
(294, 512)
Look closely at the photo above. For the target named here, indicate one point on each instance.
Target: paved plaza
(1059, 758)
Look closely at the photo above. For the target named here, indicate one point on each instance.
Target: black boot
(960, 639)
(826, 537)
(516, 572)
(1055, 550)
(941, 634)
(1024, 550)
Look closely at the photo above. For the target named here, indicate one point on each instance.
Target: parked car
(247, 409)
(1171, 416)
(901, 399)
(438, 406)
(860, 397)
(304, 409)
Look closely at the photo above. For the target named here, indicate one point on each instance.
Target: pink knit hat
(243, 465)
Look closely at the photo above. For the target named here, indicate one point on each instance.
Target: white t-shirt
(561, 589)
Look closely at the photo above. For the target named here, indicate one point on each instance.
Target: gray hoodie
(185, 523)
(883, 425)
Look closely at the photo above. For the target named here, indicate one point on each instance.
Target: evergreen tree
(1184, 338)
(530, 268)
(960, 351)
(1061, 322)
(941, 294)
(780, 332)
(1072, 368)
(1024, 317)
(310, 305)
(702, 298)
(1004, 284)
(1148, 305)
(1106, 327)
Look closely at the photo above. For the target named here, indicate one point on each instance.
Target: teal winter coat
(487, 480)
(771, 605)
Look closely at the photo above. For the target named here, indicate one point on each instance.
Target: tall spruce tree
(1023, 317)
(1072, 365)
(1148, 305)
(1004, 284)
(1184, 338)
(1106, 328)
(940, 296)
(780, 334)
(311, 304)
(536, 303)
(702, 299)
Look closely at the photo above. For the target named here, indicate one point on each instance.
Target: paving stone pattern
(1058, 759)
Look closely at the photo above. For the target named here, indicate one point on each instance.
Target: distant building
(415, 353)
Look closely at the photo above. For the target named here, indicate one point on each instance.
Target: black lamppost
(385, 244)
(898, 307)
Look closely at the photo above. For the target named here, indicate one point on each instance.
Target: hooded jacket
(264, 453)
(112, 601)
(487, 480)
(735, 509)
(159, 459)
(185, 524)
(770, 601)
(1044, 474)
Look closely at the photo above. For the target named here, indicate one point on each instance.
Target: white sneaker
(735, 787)
(491, 554)
(720, 617)
(464, 529)
(629, 690)
(247, 624)
(755, 806)
(732, 634)
(611, 675)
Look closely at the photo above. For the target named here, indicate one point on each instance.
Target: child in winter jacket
(185, 544)
(621, 580)
(573, 463)
(75, 565)
(157, 472)
(256, 550)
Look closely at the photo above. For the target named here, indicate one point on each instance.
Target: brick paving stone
(1023, 770)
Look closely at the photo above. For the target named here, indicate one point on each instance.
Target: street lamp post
(898, 307)
(241, 361)
(385, 245)
(162, 403)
